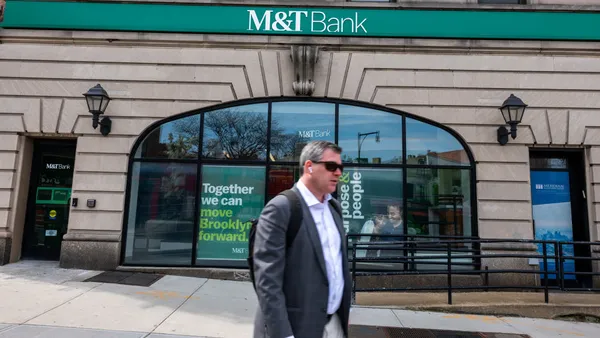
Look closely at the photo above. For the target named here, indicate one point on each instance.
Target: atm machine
(52, 216)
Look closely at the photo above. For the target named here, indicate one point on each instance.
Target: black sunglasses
(332, 166)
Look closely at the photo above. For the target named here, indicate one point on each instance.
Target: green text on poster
(230, 198)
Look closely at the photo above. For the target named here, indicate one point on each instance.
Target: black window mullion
(474, 225)
(127, 211)
(198, 192)
(337, 122)
(336, 136)
(268, 164)
(404, 185)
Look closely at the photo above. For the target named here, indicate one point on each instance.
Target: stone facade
(152, 76)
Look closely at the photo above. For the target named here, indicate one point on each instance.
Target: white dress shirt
(331, 242)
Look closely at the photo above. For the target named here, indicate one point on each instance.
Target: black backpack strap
(293, 227)
(295, 216)
(335, 206)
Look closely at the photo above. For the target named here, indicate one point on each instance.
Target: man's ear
(307, 167)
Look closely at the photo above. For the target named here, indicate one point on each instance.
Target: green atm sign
(315, 21)
(49, 195)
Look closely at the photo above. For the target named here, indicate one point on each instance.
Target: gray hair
(314, 150)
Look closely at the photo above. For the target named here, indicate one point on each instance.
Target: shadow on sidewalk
(363, 331)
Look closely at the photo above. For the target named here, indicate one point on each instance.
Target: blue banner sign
(551, 199)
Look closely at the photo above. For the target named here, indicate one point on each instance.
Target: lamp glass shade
(93, 102)
(513, 109)
(505, 113)
(513, 113)
(104, 103)
(519, 113)
(97, 99)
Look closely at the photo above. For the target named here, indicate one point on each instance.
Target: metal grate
(125, 278)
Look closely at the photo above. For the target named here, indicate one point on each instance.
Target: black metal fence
(561, 265)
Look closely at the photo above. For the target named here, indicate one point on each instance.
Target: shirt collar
(308, 196)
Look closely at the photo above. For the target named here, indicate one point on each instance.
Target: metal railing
(560, 268)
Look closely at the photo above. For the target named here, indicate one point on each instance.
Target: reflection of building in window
(438, 201)
(453, 157)
(280, 179)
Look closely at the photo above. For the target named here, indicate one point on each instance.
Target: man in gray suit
(304, 289)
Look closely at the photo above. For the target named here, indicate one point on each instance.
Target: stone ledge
(5, 233)
(241, 275)
(272, 42)
(90, 255)
(399, 4)
(520, 310)
(508, 247)
(92, 236)
(408, 281)
(5, 246)
(528, 304)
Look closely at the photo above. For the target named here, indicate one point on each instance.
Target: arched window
(195, 180)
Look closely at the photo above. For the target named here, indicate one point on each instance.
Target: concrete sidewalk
(40, 300)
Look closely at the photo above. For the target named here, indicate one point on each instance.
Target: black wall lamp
(97, 101)
(512, 111)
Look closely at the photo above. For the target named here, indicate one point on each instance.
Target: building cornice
(399, 4)
(391, 45)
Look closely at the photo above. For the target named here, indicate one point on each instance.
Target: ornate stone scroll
(304, 59)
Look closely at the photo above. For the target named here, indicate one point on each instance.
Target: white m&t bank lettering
(291, 21)
(321, 23)
(58, 166)
(314, 133)
(281, 22)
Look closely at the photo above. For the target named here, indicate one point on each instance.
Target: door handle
(583, 193)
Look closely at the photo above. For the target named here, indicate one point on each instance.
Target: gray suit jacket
(292, 286)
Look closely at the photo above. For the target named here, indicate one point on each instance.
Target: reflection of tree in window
(231, 134)
(236, 135)
(285, 147)
(184, 139)
(172, 189)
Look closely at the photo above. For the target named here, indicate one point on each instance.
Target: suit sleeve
(269, 266)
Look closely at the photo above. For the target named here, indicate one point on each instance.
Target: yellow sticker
(52, 213)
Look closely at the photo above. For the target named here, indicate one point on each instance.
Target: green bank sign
(304, 21)
(357, 22)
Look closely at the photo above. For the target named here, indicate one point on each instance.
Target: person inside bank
(389, 224)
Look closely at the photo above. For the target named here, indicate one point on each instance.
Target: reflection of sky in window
(168, 128)
(421, 137)
(295, 117)
(354, 120)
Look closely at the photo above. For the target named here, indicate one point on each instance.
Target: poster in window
(551, 199)
(371, 201)
(230, 197)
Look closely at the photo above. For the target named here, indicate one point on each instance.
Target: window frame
(267, 163)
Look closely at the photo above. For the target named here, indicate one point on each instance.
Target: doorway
(48, 202)
(559, 209)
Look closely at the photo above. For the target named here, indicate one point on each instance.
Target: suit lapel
(339, 223)
(313, 233)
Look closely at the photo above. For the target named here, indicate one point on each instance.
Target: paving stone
(28, 331)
